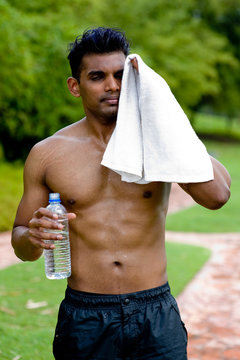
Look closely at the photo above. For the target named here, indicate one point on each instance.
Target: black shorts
(141, 325)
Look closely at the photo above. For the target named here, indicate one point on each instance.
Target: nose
(112, 84)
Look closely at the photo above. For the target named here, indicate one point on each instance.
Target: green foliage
(223, 16)
(226, 219)
(192, 44)
(34, 98)
(11, 188)
(28, 333)
(183, 49)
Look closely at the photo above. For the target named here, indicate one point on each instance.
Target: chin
(110, 120)
(110, 117)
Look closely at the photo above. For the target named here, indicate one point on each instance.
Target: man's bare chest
(82, 181)
(76, 176)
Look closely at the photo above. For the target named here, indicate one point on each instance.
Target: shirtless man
(118, 303)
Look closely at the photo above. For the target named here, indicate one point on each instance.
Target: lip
(113, 100)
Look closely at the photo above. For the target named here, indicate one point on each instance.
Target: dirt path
(7, 256)
(210, 304)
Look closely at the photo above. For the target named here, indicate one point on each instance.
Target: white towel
(153, 139)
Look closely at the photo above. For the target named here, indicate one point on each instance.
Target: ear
(73, 86)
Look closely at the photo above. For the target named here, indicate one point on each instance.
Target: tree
(34, 99)
(177, 44)
(223, 17)
(175, 38)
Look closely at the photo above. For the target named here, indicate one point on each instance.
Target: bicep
(211, 194)
(35, 192)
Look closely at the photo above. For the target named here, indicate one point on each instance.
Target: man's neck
(101, 129)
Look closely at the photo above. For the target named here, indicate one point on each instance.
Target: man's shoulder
(63, 140)
(42, 147)
(75, 130)
(67, 134)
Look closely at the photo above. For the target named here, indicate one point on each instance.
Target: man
(118, 303)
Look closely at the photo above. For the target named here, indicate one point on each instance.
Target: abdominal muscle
(118, 256)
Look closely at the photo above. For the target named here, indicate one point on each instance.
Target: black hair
(98, 40)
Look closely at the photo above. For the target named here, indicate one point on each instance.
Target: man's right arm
(35, 195)
(32, 218)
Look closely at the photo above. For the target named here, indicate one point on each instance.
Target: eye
(96, 77)
(119, 75)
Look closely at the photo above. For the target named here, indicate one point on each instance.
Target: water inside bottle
(58, 260)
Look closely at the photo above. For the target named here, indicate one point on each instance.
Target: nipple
(71, 201)
(147, 194)
(117, 263)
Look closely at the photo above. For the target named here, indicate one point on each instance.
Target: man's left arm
(211, 194)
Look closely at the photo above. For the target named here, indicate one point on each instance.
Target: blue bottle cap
(54, 197)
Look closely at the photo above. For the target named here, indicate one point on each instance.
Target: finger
(40, 234)
(49, 244)
(45, 223)
(134, 63)
(44, 212)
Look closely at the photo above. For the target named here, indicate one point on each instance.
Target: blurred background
(193, 44)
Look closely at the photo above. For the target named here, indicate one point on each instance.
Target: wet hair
(99, 40)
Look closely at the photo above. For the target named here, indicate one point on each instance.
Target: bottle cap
(54, 197)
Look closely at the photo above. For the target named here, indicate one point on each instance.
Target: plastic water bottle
(58, 260)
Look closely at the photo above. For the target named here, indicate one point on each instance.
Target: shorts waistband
(81, 298)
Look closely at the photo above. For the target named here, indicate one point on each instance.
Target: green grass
(28, 333)
(184, 261)
(226, 219)
(217, 125)
(11, 187)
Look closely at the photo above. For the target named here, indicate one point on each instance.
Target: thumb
(71, 216)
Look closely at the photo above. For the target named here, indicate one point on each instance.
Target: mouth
(111, 100)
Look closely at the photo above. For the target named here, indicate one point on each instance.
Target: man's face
(100, 84)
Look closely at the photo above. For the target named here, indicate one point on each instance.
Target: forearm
(23, 248)
(211, 194)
